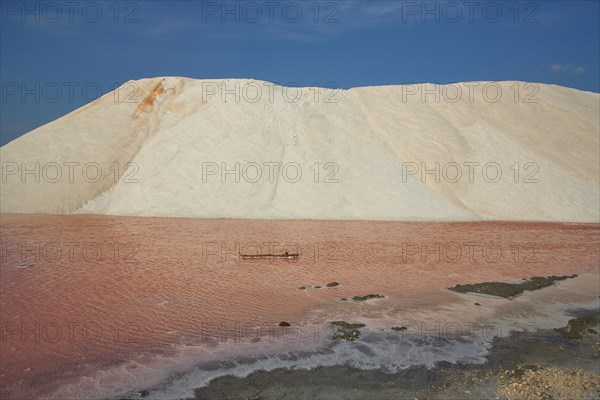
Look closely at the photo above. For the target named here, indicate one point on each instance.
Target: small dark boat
(259, 256)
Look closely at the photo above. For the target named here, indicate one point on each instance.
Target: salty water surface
(98, 306)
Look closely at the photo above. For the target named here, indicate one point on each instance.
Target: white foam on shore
(175, 377)
(389, 353)
(452, 334)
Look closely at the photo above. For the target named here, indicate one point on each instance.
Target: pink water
(104, 290)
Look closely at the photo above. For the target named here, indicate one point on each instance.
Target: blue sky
(87, 49)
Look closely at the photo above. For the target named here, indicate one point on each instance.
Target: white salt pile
(252, 149)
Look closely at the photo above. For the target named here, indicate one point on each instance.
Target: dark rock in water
(477, 304)
(506, 290)
(346, 325)
(317, 287)
(577, 327)
(144, 393)
(399, 328)
(283, 323)
(590, 330)
(302, 288)
(368, 297)
(347, 335)
(332, 284)
(346, 331)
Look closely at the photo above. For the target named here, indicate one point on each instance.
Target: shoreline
(467, 366)
(291, 220)
(515, 366)
(505, 373)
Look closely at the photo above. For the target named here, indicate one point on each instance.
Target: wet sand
(97, 306)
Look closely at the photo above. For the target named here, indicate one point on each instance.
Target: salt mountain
(251, 149)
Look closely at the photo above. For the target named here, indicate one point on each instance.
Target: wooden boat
(285, 255)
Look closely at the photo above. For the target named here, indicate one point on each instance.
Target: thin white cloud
(567, 69)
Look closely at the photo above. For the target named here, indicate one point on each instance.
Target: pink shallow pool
(83, 294)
